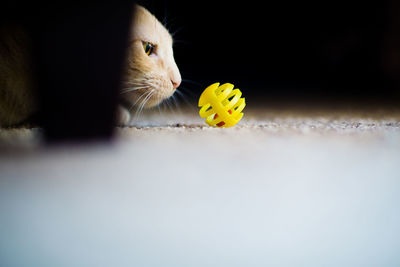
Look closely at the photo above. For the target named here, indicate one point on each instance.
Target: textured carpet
(302, 122)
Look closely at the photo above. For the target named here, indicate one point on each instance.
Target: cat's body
(17, 101)
(150, 76)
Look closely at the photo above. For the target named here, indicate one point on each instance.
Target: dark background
(288, 51)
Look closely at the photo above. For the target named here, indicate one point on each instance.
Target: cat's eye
(148, 48)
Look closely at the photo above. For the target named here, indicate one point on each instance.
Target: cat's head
(151, 74)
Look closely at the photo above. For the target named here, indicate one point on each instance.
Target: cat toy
(221, 105)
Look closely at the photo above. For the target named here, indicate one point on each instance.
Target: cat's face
(151, 74)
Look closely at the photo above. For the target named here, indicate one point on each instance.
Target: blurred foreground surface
(291, 189)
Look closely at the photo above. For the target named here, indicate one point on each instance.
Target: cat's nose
(175, 76)
(176, 82)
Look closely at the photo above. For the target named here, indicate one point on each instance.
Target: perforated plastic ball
(221, 106)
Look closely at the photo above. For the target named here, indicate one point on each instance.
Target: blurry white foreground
(206, 197)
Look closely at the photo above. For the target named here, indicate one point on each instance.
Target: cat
(17, 101)
(150, 74)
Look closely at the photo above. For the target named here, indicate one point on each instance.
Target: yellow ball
(221, 105)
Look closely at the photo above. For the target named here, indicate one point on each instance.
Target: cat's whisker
(165, 20)
(130, 85)
(183, 97)
(167, 23)
(135, 82)
(135, 85)
(137, 100)
(135, 117)
(143, 103)
(159, 109)
(169, 105)
(151, 83)
(187, 102)
(125, 91)
(139, 79)
(177, 31)
(134, 88)
(176, 103)
(188, 91)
